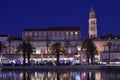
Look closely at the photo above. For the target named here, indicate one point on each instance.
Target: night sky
(16, 15)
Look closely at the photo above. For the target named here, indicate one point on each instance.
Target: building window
(71, 33)
(76, 33)
(30, 33)
(93, 22)
(102, 56)
(25, 33)
(35, 33)
(91, 28)
(58, 33)
(66, 33)
(44, 33)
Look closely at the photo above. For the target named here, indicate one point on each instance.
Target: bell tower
(92, 24)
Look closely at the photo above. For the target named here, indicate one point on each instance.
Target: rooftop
(73, 28)
(110, 36)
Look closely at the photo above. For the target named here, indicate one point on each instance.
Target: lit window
(39, 33)
(71, 32)
(38, 51)
(35, 33)
(26, 34)
(76, 32)
(44, 33)
(30, 33)
(67, 33)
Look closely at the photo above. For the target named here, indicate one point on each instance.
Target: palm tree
(48, 41)
(9, 39)
(93, 52)
(76, 45)
(57, 49)
(66, 44)
(22, 47)
(58, 76)
(90, 49)
(26, 49)
(1, 48)
(109, 44)
(29, 51)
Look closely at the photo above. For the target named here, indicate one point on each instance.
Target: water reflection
(83, 75)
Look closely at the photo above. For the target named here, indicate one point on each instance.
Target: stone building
(41, 37)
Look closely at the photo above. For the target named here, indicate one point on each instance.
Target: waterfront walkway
(60, 68)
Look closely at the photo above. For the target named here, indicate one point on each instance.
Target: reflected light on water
(83, 75)
(97, 76)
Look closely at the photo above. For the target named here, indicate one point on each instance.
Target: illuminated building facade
(40, 38)
(92, 24)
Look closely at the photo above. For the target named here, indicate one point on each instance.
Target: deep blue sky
(16, 15)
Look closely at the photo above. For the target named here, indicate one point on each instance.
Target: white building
(40, 37)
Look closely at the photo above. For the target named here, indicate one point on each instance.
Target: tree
(26, 49)
(22, 47)
(66, 44)
(93, 52)
(1, 49)
(9, 39)
(48, 41)
(76, 45)
(109, 44)
(57, 49)
(90, 49)
(29, 49)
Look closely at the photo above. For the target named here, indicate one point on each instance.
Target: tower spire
(92, 24)
(91, 10)
(92, 13)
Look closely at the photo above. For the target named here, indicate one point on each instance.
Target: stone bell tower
(92, 24)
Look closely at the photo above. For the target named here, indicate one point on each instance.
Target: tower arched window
(93, 22)
(91, 36)
(93, 28)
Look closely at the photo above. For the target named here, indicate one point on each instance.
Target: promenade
(59, 68)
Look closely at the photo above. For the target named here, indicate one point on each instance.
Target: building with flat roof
(40, 38)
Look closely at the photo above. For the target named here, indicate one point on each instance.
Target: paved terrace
(59, 68)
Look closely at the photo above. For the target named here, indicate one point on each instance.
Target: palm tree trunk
(92, 59)
(24, 57)
(24, 77)
(28, 55)
(67, 49)
(47, 48)
(88, 59)
(28, 78)
(109, 55)
(58, 56)
(58, 76)
(9, 48)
